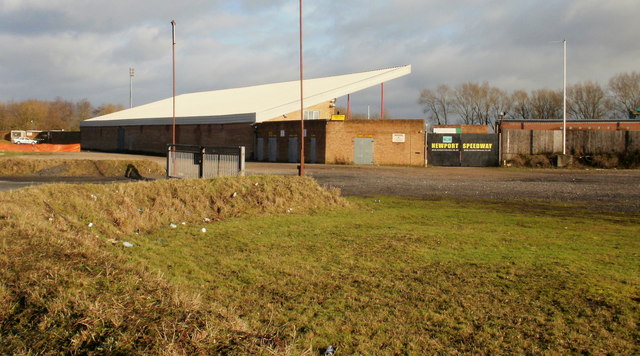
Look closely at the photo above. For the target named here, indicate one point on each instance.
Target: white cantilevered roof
(247, 105)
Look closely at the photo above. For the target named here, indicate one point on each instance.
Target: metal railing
(190, 161)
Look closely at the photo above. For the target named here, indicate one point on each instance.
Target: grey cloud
(84, 49)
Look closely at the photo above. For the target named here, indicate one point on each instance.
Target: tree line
(50, 115)
(480, 103)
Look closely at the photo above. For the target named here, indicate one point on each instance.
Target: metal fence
(189, 161)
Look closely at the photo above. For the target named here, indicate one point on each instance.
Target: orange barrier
(41, 147)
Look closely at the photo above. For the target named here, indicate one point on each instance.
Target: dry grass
(73, 168)
(61, 289)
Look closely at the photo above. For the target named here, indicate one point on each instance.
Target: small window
(312, 114)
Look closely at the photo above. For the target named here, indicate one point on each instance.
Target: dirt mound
(77, 168)
(61, 289)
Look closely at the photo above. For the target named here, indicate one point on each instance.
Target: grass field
(406, 276)
(284, 267)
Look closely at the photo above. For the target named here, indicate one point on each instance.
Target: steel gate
(189, 161)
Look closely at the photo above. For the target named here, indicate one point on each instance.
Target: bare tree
(30, 114)
(465, 102)
(520, 105)
(499, 102)
(107, 109)
(546, 104)
(586, 101)
(479, 104)
(625, 92)
(437, 103)
(59, 114)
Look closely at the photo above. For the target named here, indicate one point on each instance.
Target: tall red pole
(301, 168)
(173, 50)
(382, 101)
(348, 106)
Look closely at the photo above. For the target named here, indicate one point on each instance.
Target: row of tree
(49, 115)
(480, 103)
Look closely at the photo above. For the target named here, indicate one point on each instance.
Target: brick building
(383, 142)
(227, 117)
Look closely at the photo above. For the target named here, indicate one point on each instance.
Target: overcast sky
(83, 49)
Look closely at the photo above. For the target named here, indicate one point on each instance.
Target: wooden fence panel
(586, 142)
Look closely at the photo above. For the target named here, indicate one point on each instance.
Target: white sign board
(397, 137)
(445, 130)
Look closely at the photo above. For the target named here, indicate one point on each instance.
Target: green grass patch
(412, 276)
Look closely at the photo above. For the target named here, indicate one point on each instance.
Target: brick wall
(341, 136)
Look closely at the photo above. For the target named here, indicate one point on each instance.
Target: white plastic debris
(235, 194)
(50, 219)
(206, 220)
(173, 226)
(90, 225)
(204, 229)
(183, 223)
(330, 350)
(140, 210)
(289, 210)
(93, 197)
(127, 244)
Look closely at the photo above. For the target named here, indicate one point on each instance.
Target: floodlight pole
(564, 99)
(382, 101)
(131, 74)
(301, 167)
(173, 50)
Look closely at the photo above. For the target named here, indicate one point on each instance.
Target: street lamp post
(131, 74)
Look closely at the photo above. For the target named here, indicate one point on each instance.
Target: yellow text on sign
(445, 145)
(485, 146)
